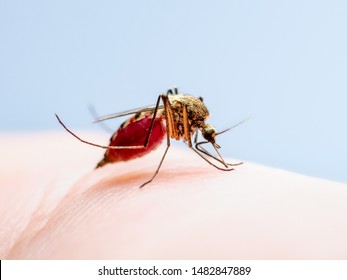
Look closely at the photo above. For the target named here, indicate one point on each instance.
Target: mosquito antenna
(216, 146)
(235, 125)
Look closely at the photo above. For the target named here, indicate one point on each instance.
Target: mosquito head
(208, 132)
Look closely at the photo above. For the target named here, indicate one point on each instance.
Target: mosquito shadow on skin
(125, 180)
(136, 179)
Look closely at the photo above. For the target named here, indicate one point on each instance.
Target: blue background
(283, 63)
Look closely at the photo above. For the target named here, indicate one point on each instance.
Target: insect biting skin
(175, 116)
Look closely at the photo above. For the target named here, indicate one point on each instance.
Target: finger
(191, 211)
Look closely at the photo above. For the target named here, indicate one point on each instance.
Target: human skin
(54, 205)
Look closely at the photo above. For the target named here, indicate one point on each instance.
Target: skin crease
(53, 205)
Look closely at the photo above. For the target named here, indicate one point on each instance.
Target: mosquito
(175, 116)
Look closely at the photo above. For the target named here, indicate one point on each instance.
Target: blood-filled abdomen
(134, 132)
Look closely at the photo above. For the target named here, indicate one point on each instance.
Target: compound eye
(201, 99)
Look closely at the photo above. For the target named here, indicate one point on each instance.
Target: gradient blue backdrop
(284, 63)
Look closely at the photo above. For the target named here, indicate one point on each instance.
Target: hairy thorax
(197, 113)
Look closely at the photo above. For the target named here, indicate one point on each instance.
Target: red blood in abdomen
(135, 134)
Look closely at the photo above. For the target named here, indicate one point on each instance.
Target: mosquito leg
(153, 119)
(217, 167)
(187, 138)
(222, 159)
(204, 151)
(220, 156)
(172, 130)
(169, 91)
(158, 168)
(93, 144)
(117, 147)
(172, 91)
(186, 127)
(207, 153)
(196, 137)
(168, 116)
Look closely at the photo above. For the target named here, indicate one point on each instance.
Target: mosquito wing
(128, 112)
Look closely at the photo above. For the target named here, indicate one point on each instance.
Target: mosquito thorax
(208, 132)
(196, 110)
